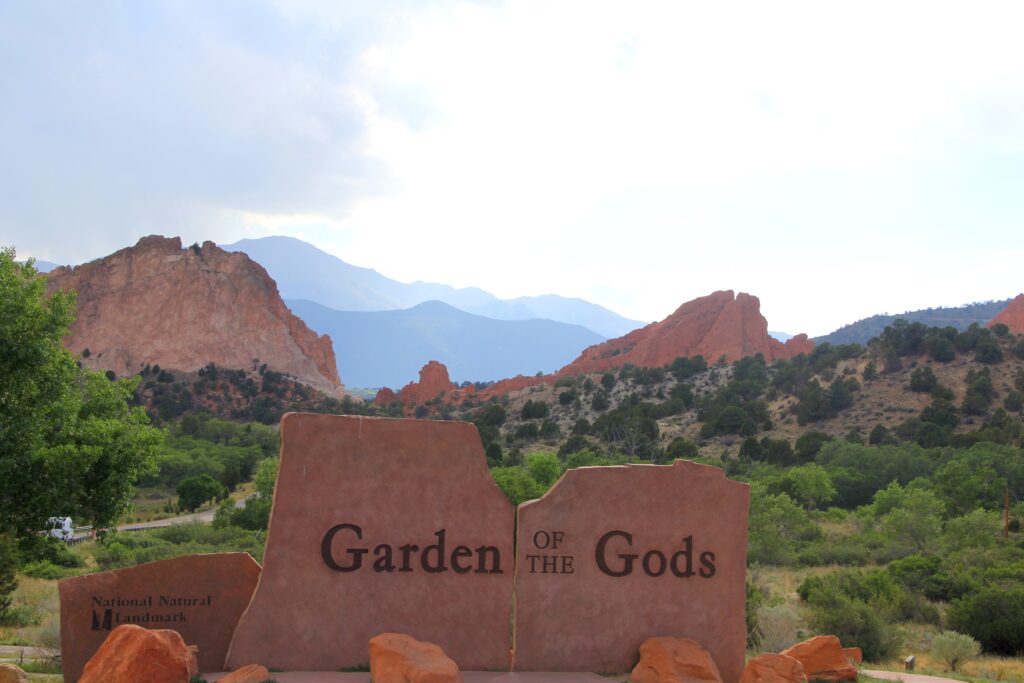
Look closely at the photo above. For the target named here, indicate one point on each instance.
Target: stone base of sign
(467, 676)
(199, 596)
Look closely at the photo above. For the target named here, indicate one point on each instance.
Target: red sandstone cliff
(1012, 316)
(156, 303)
(433, 382)
(720, 324)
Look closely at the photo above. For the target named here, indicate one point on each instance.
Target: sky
(835, 159)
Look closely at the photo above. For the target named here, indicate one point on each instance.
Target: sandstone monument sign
(199, 596)
(380, 525)
(611, 556)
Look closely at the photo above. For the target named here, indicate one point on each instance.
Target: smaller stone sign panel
(381, 525)
(201, 597)
(612, 556)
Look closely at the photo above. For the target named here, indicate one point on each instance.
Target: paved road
(29, 652)
(907, 677)
(204, 517)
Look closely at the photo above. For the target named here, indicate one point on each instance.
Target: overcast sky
(835, 159)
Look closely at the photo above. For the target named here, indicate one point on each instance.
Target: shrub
(43, 569)
(994, 616)
(494, 454)
(856, 623)
(194, 491)
(778, 627)
(680, 449)
(955, 648)
(534, 409)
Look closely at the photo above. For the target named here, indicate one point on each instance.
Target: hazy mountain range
(304, 272)
(375, 348)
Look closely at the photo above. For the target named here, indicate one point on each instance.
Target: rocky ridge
(156, 303)
(719, 324)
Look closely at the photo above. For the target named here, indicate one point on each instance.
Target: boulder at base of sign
(398, 658)
(674, 660)
(823, 658)
(254, 673)
(854, 655)
(131, 654)
(12, 674)
(773, 668)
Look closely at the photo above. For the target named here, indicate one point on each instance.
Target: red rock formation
(433, 382)
(1012, 316)
(254, 673)
(674, 660)
(720, 324)
(398, 658)
(131, 654)
(773, 668)
(156, 303)
(823, 659)
(507, 386)
(385, 397)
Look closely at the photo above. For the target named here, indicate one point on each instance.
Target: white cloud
(835, 159)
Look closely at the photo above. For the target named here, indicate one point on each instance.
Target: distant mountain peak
(303, 271)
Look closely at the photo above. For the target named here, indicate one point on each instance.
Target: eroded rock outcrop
(1012, 316)
(10, 673)
(720, 324)
(674, 660)
(131, 654)
(774, 668)
(433, 382)
(823, 658)
(156, 303)
(398, 658)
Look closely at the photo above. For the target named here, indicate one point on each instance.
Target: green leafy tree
(517, 484)
(195, 491)
(916, 522)
(811, 485)
(70, 443)
(544, 468)
(995, 616)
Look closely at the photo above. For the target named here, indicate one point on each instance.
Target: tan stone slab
(199, 596)
(672, 540)
(403, 485)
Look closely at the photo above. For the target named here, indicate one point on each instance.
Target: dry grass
(38, 600)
